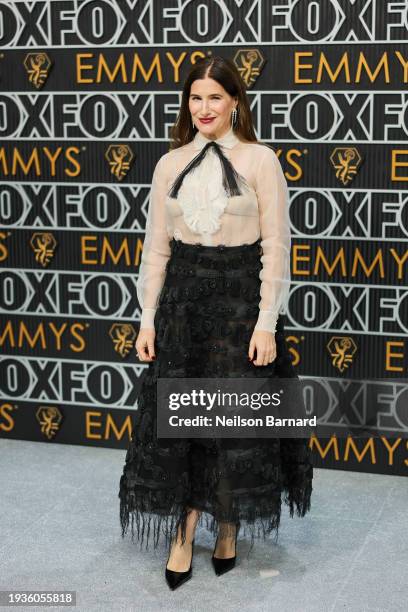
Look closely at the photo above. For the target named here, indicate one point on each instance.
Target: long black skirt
(206, 314)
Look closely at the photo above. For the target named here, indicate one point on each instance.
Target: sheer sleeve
(156, 248)
(272, 194)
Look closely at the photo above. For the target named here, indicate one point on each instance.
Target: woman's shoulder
(174, 151)
(173, 154)
(260, 153)
(257, 146)
(164, 160)
(170, 160)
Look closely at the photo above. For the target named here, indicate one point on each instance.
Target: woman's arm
(272, 194)
(156, 248)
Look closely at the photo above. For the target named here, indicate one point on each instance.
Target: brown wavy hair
(226, 74)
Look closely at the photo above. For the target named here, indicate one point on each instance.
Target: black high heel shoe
(175, 579)
(221, 566)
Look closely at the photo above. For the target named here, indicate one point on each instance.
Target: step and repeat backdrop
(88, 92)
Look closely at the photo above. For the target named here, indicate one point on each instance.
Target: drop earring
(234, 117)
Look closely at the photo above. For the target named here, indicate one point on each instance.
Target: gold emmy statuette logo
(249, 63)
(43, 245)
(346, 161)
(38, 67)
(123, 336)
(50, 420)
(119, 158)
(341, 351)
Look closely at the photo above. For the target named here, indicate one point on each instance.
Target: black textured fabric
(207, 311)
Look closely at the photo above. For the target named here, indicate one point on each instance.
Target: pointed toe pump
(176, 579)
(221, 566)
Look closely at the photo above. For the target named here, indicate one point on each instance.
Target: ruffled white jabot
(202, 196)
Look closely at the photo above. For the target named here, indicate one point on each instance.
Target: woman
(213, 285)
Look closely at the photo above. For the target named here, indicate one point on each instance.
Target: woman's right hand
(145, 344)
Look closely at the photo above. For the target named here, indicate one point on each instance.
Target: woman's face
(208, 99)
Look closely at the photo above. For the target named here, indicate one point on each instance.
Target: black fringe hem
(147, 527)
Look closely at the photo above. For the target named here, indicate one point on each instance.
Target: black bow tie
(230, 177)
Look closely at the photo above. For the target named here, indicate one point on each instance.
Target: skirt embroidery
(207, 310)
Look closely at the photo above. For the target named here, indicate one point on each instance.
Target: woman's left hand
(265, 345)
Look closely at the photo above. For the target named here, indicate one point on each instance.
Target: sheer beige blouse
(202, 213)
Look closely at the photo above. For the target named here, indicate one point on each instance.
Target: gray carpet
(60, 530)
